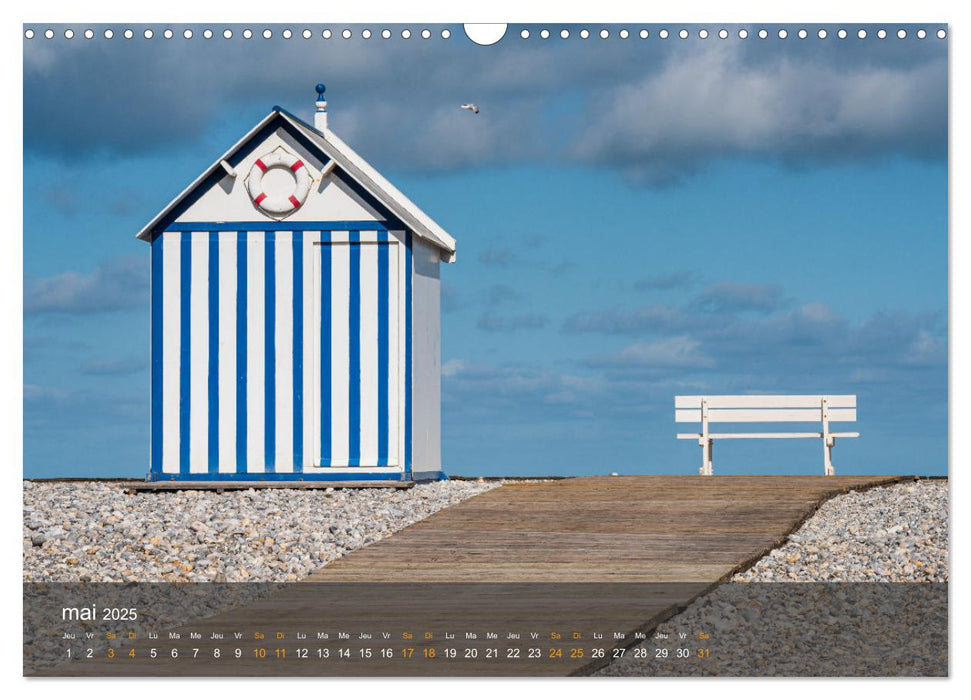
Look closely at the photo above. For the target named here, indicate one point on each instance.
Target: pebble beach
(93, 531)
(890, 534)
(886, 535)
(96, 532)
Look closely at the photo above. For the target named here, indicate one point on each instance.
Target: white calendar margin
(438, 11)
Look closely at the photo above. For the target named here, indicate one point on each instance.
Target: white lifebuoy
(279, 204)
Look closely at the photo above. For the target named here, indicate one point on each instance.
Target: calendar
(441, 629)
(368, 349)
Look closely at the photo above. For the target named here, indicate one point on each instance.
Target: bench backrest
(765, 409)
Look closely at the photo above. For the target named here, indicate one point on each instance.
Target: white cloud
(121, 283)
(643, 319)
(717, 102)
(679, 351)
(494, 322)
(451, 368)
(926, 350)
(114, 367)
(728, 297)
(655, 112)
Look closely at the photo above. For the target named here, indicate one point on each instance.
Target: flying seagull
(471, 107)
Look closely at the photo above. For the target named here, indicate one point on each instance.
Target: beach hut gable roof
(329, 147)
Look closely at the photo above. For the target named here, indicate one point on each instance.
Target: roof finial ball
(320, 118)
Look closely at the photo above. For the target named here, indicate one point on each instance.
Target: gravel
(91, 531)
(895, 533)
(890, 535)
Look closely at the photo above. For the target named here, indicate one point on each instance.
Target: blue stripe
(269, 356)
(384, 293)
(354, 351)
(185, 352)
(241, 332)
(157, 300)
(331, 475)
(298, 293)
(408, 276)
(326, 320)
(279, 226)
(213, 354)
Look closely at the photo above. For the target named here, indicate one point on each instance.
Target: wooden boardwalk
(599, 529)
(554, 562)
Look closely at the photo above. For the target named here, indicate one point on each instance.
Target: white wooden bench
(764, 409)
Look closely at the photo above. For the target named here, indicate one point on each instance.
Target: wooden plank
(590, 529)
(767, 401)
(768, 415)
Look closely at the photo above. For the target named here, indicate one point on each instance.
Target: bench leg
(707, 447)
(828, 469)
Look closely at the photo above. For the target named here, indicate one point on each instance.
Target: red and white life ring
(280, 204)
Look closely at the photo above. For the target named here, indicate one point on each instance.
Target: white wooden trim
(766, 401)
(145, 233)
(368, 353)
(378, 185)
(737, 436)
(198, 353)
(255, 348)
(705, 441)
(227, 353)
(828, 441)
(340, 154)
(285, 381)
(768, 415)
(840, 408)
(340, 382)
(172, 292)
(335, 471)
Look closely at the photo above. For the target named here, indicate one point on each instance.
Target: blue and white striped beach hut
(295, 317)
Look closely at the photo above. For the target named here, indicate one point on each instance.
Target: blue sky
(635, 219)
